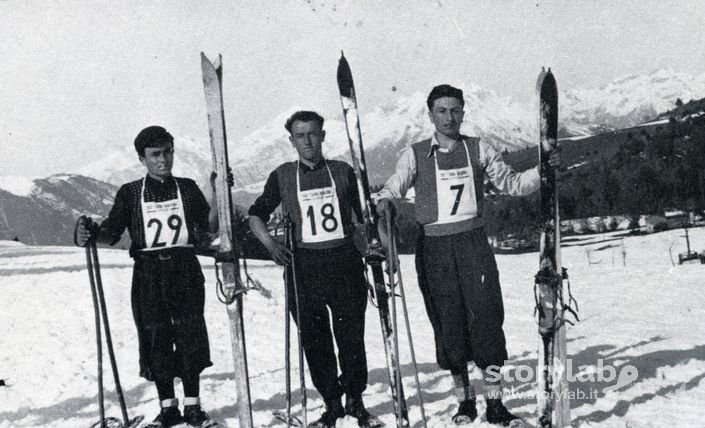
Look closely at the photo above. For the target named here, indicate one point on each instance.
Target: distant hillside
(638, 170)
(47, 214)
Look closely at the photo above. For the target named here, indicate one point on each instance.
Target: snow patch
(17, 185)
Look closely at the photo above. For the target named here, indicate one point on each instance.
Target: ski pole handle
(85, 231)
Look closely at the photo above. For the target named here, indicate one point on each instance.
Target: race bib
(455, 192)
(320, 212)
(164, 223)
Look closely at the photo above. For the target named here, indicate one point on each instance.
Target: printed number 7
(459, 189)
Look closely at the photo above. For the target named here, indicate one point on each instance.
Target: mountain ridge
(43, 210)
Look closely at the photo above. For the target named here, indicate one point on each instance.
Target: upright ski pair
(550, 293)
(232, 285)
(101, 313)
(375, 256)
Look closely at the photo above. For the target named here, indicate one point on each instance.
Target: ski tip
(343, 63)
(549, 80)
(345, 80)
(544, 77)
(539, 80)
(205, 62)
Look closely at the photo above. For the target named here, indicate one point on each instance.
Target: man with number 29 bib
(166, 217)
(456, 268)
(319, 197)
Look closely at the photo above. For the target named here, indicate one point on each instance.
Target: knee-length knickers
(167, 305)
(459, 281)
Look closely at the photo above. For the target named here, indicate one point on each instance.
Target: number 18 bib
(320, 212)
(455, 190)
(164, 222)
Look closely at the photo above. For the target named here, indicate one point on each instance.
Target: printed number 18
(327, 212)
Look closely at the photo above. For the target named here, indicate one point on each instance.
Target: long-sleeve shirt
(126, 212)
(501, 175)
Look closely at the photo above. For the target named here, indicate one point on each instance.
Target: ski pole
(99, 344)
(302, 378)
(395, 258)
(392, 297)
(99, 309)
(287, 345)
(109, 341)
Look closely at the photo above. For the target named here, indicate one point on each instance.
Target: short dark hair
(304, 116)
(152, 136)
(441, 91)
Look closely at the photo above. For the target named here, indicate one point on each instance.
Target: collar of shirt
(158, 187)
(305, 168)
(156, 182)
(435, 145)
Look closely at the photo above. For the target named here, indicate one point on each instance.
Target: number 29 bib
(164, 222)
(320, 212)
(455, 190)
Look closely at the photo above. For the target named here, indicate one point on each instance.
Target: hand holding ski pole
(386, 212)
(385, 207)
(279, 253)
(85, 232)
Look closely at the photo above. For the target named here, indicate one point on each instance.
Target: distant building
(655, 223)
(677, 218)
(673, 219)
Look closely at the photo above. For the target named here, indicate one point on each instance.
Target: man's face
(307, 137)
(159, 160)
(447, 116)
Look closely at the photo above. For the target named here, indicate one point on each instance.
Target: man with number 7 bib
(166, 218)
(319, 196)
(456, 268)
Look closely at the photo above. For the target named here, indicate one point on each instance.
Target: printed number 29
(174, 222)
(329, 222)
(458, 188)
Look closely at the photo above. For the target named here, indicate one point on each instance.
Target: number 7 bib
(320, 212)
(164, 224)
(455, 190)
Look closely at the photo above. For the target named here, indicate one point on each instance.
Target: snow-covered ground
(648, 314)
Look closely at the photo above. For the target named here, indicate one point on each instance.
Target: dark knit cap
(152, 136)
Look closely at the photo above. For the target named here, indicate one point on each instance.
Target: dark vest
(426, 205)
(319, 178)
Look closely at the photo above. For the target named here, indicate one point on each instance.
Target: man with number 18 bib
(319, 197)
(456, 268)
(166, 217)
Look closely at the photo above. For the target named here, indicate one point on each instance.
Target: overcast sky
(77, 77)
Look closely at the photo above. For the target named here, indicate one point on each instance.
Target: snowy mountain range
(44, 210)
(387, 129)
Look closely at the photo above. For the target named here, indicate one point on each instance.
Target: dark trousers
(167, 306)
(332, 280)
(459, 281)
